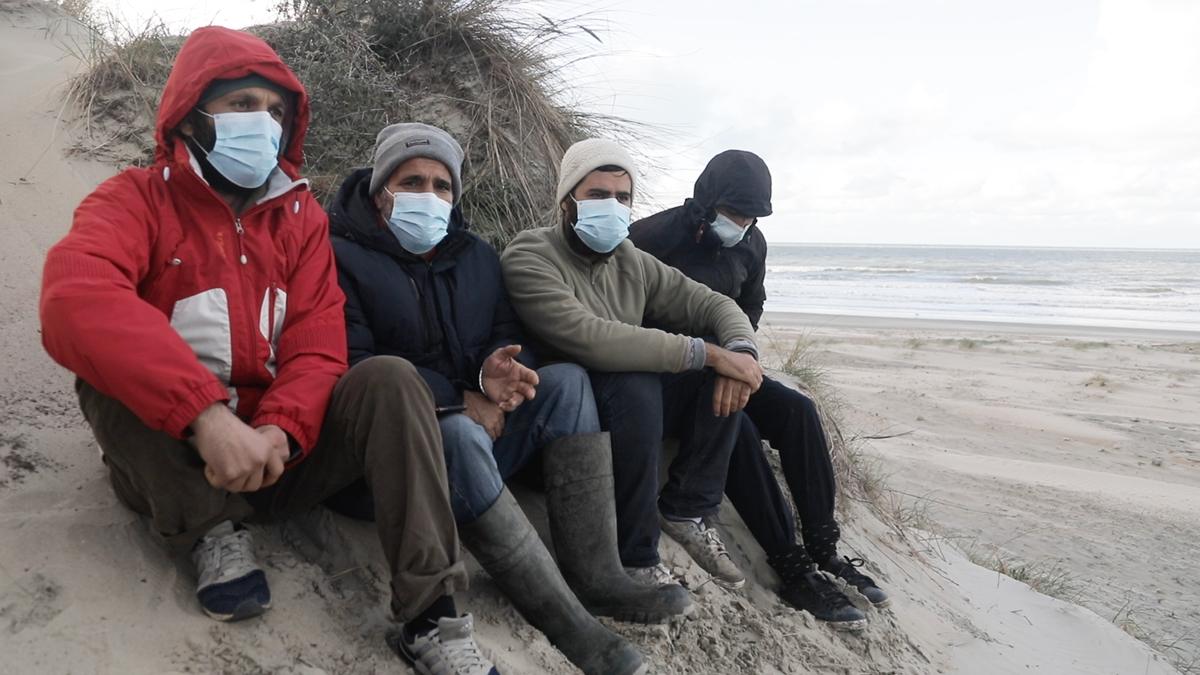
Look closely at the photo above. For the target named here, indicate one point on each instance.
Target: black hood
(736, 179)
(353, 216)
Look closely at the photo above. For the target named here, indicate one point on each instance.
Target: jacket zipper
(271, 320)
(237, 226)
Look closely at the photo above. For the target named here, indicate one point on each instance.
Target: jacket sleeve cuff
(743, 345)
(696, 354)
(291, 427)
(176, 424)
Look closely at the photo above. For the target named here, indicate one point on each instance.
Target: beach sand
(1075, 449)
(85, 588)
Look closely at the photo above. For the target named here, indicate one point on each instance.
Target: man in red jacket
(197, 301)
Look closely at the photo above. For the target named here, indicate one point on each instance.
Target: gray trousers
(380, 426)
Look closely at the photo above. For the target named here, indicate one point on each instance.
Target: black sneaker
(847, 569)
(809, 589)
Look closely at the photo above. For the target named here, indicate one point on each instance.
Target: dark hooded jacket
(445, 316)
(680, 236)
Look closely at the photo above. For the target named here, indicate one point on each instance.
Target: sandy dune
(84, 588)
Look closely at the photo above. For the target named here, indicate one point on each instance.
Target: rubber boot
(509, 550)
(583, 524)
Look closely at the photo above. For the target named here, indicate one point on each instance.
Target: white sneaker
(704, 544)
(655, 575)
(449, 649)
(231, 585)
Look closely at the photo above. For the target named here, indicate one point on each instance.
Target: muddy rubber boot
(508, 548)
(583, 523)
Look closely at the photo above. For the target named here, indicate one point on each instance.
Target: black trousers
(788, 420)
(638, 410)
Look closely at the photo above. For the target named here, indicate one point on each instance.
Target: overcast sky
(1010, 122)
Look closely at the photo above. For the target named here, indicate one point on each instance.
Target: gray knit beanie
(588, 155)
(398, 143)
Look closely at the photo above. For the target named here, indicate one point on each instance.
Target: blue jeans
(477, 466)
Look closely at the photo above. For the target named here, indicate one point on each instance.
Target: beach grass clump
(1047, 577)
(1182, 648)
(489, 74)
(799, 360)
(861, 477)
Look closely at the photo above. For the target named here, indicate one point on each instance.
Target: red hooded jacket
(149, 298)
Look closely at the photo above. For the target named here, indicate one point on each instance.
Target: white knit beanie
(588, 155)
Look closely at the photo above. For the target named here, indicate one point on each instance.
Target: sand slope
(84, 588)
(1058, 446)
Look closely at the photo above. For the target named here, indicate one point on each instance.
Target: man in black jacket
(712, 238)
(420, 285)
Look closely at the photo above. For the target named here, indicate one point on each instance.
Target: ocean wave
(1014, 281)
(1145, 290)
(815, 269)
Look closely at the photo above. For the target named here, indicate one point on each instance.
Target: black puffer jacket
(445, 316)
(680, 236)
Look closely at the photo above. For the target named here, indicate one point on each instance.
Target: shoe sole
(247, 610)
(848, 626)
(882, 605)
(729, 585)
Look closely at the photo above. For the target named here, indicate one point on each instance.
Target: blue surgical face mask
(729, 232)
(247, 147)
(419, 220)
(602, 224)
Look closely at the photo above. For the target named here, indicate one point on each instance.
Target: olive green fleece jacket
(590, 311)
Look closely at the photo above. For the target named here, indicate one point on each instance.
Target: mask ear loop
(192, 138)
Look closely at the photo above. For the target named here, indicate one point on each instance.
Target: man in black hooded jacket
(713, 238)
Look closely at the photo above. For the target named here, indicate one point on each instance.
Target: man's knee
(393, 379)
(566, 392)
(564, 380)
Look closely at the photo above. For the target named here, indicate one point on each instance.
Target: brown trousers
(380, 425)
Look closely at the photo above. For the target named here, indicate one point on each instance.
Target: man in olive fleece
(584, 291)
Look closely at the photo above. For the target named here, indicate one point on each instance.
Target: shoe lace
(827, 591)
(849, 572)
(462, 654)
(661, 575)
(230, 551)
(712, 540)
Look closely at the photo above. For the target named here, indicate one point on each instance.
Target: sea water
(1158, 289)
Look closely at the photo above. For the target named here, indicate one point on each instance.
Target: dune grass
(483, 70)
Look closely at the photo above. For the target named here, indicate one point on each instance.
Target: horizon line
(1010, 246)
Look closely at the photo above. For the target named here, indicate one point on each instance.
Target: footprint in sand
(32, 601)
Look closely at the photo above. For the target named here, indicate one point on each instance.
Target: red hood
(216, 53)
